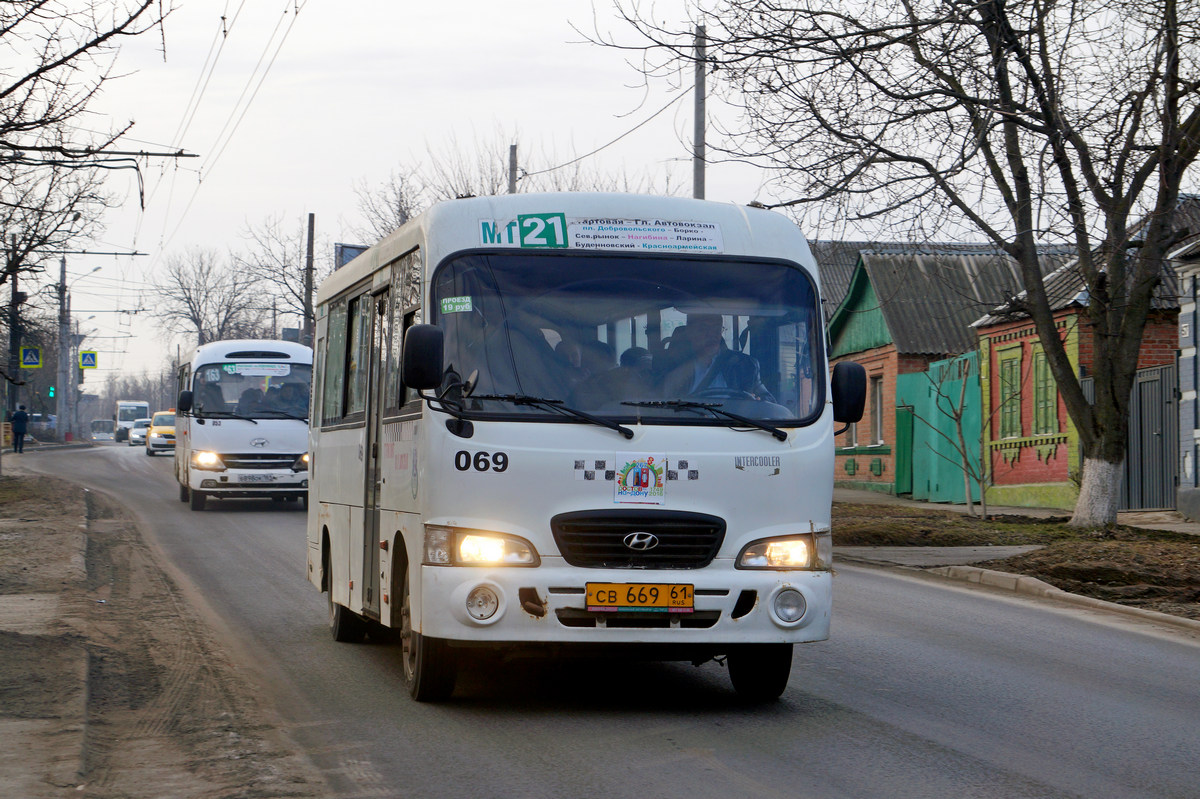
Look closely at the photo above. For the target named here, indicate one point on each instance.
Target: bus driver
(709, 364)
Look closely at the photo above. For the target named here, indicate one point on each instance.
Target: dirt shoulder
(1151, 569)
(110, 685)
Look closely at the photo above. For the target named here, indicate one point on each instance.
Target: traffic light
(51, 392)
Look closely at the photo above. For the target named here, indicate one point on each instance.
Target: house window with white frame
(876, 410)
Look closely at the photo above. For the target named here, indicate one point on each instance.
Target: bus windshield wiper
(555, 405)
(229, 414)
(288, 414)
(713, 408)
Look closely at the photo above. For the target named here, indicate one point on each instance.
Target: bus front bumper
(549, 604)
(249, 483)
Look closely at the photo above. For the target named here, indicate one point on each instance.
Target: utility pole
(306, 336)
(512, 169)
(14, 333)
(61, 399)
(698, 121)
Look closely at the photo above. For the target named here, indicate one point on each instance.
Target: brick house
(904, 309)
(1033, 450)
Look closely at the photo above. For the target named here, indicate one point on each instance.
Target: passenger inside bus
(633, 379)
(293, 399)
(251, 402)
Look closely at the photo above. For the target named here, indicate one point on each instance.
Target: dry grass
(1158, 570)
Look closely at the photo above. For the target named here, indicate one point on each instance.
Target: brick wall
(884, 363)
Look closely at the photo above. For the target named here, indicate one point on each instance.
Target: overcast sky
(354, 90)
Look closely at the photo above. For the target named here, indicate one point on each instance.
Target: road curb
(1031, 586)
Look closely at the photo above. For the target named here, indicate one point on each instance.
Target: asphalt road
(926, 689)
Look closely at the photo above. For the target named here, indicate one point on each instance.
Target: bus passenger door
(373, 474)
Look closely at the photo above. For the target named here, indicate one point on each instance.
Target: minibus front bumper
(549, 604)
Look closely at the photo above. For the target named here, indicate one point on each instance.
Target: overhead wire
(211, 162)
(603, 147)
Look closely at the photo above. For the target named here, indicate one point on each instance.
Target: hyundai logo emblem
(258, 442)
(641, 541)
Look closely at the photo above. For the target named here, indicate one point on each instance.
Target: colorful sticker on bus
(642, 479)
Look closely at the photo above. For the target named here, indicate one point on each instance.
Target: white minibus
(127, 412)
(241, 422)
(578, 424)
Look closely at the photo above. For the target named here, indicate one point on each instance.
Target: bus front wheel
(760, 672)
(184, 494)
(430, 668)
(197, 499)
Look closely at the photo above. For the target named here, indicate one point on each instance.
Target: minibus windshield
(661, 339)
(252, 390)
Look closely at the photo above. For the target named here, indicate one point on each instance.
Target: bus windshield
(132, 412)
(636, 338)
(252, 390)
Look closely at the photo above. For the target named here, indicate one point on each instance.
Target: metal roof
(1066, 286)
(929, 298)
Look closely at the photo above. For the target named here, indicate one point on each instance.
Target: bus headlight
(209, 461)
(803, 551)
(449, 546)
(301, 463)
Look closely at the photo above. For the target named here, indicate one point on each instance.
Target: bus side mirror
(421, 367)
(848, 386)
(184, 402)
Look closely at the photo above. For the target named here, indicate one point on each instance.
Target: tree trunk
(1099, 493)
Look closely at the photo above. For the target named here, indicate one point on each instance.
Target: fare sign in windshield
(558, 231)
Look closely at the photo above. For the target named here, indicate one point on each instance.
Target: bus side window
(357, 354)
(335, 366)
(406, 278)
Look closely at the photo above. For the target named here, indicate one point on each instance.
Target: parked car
(137, 433)
(161, 434)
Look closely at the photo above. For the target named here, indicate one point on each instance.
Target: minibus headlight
(301, 463)
(799, 551)
(448, 546)
(209, 461)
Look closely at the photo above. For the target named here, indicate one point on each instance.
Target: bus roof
(562, 222)
(251, 350)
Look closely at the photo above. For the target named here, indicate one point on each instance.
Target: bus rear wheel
(760, 672)
(430, 667)
(184, 493)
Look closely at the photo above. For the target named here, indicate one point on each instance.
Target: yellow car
(161, 434)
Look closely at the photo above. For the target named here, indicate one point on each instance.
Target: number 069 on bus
(639, 596)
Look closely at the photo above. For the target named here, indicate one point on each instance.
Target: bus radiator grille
(600, 539)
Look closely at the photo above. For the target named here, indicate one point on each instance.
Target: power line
(602, 147)
(212, 162)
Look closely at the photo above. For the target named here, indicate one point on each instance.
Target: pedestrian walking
(20, 426)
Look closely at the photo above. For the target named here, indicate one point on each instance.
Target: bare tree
(1030, 121)
(57, 56)
(42, 209)
(481, 169)
(276, 261)
(398, 199)
(202, 294)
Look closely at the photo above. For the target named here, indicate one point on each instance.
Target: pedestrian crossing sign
(87, 359)
(31, 357)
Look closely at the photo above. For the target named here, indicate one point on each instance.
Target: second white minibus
(241, 422)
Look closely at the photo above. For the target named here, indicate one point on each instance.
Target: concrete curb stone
(1029, 586)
